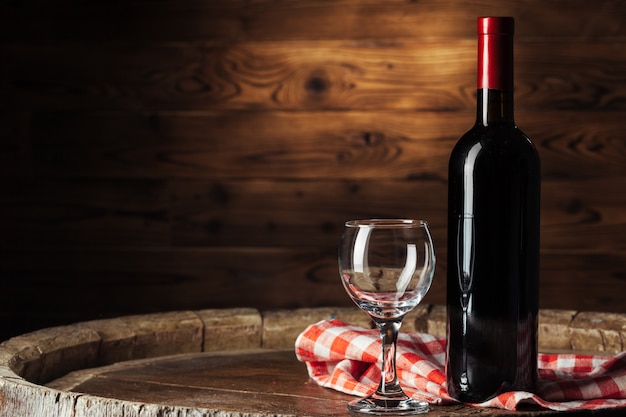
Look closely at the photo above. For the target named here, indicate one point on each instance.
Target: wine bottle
(493, 237)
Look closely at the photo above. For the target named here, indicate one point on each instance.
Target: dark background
(187, 154)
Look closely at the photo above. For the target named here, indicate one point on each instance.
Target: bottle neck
(495, 71)
(494, 107)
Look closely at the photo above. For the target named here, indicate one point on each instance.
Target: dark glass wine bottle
(493, 237)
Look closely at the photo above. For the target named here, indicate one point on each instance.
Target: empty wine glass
(386, 267)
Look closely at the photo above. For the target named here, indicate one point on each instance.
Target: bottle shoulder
(499, 140)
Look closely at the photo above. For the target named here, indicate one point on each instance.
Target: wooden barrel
(223, 363)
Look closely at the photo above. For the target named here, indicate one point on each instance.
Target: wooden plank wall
(187, 154)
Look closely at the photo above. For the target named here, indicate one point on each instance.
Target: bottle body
(493, 242)
(493, 264)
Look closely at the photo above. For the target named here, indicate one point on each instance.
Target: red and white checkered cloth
(347, 358)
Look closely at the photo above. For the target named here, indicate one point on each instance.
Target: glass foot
(379, 405)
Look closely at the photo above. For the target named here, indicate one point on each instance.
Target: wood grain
(190, 154)
(584, 217)
(75, 212)
(308, 74)
(192, 20)
(158, 365)
(284, 145)
(262, 383)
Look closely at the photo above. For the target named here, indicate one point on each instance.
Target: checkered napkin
(347, 358)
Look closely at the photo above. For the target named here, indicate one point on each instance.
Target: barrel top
(221, 362)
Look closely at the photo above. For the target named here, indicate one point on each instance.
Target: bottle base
(470, 396)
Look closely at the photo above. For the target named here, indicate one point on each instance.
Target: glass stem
(389, 335)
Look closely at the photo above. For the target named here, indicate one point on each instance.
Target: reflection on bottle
(465, 252)
(465, 261)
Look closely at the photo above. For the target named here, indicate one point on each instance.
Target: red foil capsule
(495, 53)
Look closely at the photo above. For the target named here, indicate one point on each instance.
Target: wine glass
(386, 267)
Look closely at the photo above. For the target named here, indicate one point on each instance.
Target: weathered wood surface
(302, 75)
(272, 19)
(352, 145)
(206, 213)
(265, 383)
(223, 363)
(185, 154)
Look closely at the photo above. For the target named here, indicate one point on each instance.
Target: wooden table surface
(257, 382)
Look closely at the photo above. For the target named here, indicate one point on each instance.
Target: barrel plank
(281, 327)
(308, 212)
(231, 20)
(555, 329)
(215, 145)
(595, 331)
(131, 337)
(399, 74)
(228, 329)
(559, 330)
(20, 398)
(50, 353)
